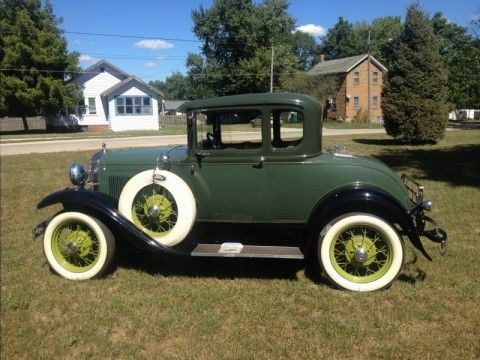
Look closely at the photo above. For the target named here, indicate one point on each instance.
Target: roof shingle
(340, 66)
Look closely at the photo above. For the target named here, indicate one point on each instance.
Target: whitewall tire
(78, 246)
(165, 210)
(360, 252)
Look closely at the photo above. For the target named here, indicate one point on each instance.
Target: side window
(287, 128)
(229, 129)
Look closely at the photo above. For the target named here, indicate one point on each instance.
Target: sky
(164, 35)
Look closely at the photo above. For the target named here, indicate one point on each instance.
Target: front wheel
(360, 252)
(78, 246)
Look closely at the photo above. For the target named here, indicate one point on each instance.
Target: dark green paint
(232, 185)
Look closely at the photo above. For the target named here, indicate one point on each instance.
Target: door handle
(200, 155)
(260, 163)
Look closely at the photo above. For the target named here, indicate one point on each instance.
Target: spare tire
(163, 209)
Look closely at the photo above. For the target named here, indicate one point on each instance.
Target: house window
(133, 105)
(102, 69)
(356, 78)
(92, 108)
(375, 102)
(375, 78)
(356, 102)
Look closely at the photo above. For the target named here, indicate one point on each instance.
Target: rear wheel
(360, 252)
(78, 246)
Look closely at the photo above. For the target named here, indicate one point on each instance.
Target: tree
(383, 31)
(461, 53)
(176, 86)
(414, 98)
(321, 88)
(35, 55)
(341, 41)
(237, 38)
(305, 48)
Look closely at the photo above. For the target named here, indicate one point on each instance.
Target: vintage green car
(236, 191)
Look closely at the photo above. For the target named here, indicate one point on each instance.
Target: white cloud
(88, 59)
(475, 17)
(77, 42)
(154, 44)
(149, 65)
(315, 30)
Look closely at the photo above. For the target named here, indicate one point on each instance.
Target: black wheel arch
(104, 208)
(366, 200)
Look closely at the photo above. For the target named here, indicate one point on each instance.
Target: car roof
(292, 99)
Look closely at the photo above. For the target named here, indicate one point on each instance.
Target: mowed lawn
(154, 307)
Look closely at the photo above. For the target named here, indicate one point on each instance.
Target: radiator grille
(116, 184)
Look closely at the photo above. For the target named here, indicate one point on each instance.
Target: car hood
(144, 156)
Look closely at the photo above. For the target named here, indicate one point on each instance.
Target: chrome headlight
(78, 174)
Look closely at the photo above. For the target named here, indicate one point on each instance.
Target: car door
(230, 181)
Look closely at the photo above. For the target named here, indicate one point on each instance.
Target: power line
(193, 75)
(159, 57)
(232, 39)
(128, 57)
(132, 36)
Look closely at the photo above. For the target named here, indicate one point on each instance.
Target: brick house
(350, 97)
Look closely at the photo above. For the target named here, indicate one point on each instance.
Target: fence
(172, 120)
(16, 124)
(8, 124)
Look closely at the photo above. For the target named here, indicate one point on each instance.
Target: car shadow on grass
(221, 268)
(238, 268)
(457, 165)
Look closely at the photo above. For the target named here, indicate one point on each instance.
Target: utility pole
(271, 71)
(368, 78)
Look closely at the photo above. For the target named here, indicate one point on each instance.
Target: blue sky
(154, 59)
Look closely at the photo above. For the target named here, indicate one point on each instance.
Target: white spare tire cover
(165, 210)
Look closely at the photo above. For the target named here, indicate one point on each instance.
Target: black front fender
(99, 204)
(368, 200)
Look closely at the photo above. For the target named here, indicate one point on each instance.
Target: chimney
(321, 58)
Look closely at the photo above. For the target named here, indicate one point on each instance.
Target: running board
(247, 251)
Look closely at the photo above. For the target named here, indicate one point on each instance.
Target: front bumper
(424, 225)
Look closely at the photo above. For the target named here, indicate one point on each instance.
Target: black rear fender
(104, 207)
(366, 200)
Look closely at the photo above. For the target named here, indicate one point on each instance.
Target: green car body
(277, 181)
(285, 189)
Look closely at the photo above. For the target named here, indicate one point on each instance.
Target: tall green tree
(175, 86)
(383, 31)
(341, 41)
(306, 49)
(237, 37)
(345, 39)
(461, 53)
(37, 62)
(415, 95)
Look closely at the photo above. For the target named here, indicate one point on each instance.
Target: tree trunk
(25, 124)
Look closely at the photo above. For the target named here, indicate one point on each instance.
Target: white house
(114, 100)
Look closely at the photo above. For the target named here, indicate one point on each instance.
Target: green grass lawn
(153, 307)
